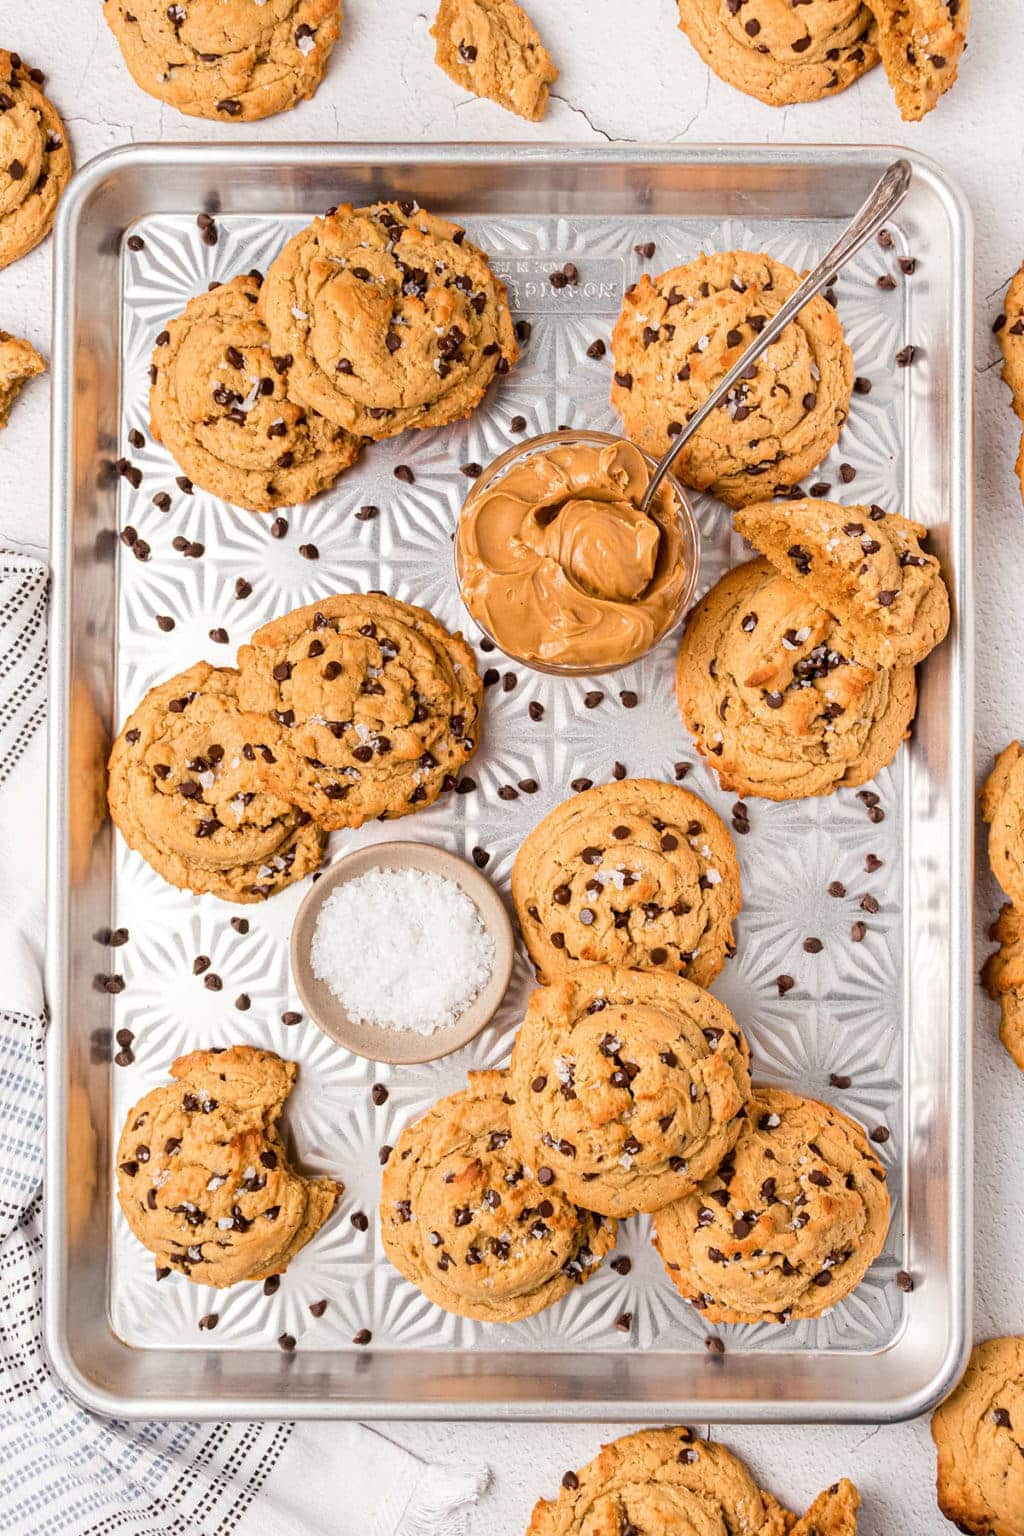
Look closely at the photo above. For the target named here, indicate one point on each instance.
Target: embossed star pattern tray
(889, 1011)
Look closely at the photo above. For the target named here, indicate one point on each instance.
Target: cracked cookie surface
(469, 1225)
(679, 333)
(492, 48)
(227, 60)
(920, 42)
(668, 1482)
(979, 1435)
(637, 873)
(185, 792)
(629, 1087)
(219, 404)
(35, 161)
(1003, 976)
(1002, 807)
(370, 706)
(790, 1222)
(203, 1176)
(864, 565)
(392, 317)
(19, 362)
(778, 701)
(779, 52)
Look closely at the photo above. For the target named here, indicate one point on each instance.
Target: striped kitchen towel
(63, 1471)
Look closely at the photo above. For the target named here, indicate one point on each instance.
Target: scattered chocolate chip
(904, 1281)
(363, 1337)
(785, 984)
(813, 946)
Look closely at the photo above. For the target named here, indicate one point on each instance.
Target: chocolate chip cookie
(227, 60)
(392, 318)
(783, 53)
(1011, 339)
(636, 873)
(863, 564)
(833, 1513)
(492, 48)
(219, 404)
(1002, 807)
(977, 1433)
(370, 707)
(679, 333)
(629, 1087)
(185, 792)
(787, 1225)
(920, 42)
(776, 695)
(35, 161)
(19, 362)
(1003, 976)
(203, 1176)
(473, 1228)
(664, 1481)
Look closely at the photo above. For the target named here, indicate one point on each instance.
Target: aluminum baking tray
(893, 1012)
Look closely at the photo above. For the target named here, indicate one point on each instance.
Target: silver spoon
(889, 192)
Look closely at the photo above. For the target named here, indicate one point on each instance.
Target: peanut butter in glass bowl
(558, 564)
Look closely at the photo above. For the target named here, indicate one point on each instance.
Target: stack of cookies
(370, 321)
(203, 1175)
(1002, 806)
(629, 1091)
(796, 671)
(662, 1481)
(226, 781)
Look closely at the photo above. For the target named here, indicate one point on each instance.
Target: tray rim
(72, 1374)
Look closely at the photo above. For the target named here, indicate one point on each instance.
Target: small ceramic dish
(400, 1047)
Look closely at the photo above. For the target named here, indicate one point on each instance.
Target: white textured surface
(628, 75)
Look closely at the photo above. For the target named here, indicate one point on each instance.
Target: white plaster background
(629, 76)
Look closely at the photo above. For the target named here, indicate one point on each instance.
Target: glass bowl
(688, 532)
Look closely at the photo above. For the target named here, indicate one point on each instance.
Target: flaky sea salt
(402, 948)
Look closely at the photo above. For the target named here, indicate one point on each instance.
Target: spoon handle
(888, 193)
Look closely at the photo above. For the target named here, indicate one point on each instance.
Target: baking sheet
(862, 1010)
